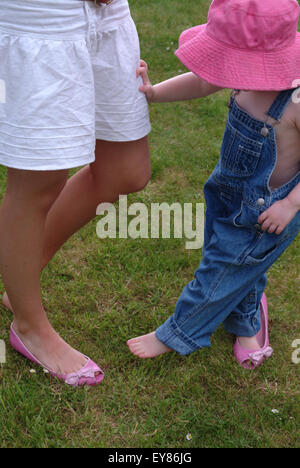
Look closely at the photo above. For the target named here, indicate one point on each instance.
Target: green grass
(100, 293)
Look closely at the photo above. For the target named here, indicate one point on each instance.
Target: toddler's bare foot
(249, 343)
(147, 346)
(5, 302)
(51, 350)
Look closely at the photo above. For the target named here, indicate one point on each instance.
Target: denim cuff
(246, 325)
(173, 337)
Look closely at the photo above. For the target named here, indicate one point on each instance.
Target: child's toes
(137, 347)
(137, 350)
(133, 341)
(133, 344)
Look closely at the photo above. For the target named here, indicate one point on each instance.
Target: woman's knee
(137, 181)
(40, 189)
(111, 188)
(121, 168)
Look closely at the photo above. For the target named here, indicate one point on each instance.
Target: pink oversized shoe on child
(85, 376)
(252, 359)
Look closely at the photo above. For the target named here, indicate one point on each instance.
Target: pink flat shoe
(85, 376)
(252, 359)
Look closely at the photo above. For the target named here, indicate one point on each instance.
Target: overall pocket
(246, 217)
(264, 251)
(239, 154)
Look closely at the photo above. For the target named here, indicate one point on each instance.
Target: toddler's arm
(180, 88)
(278, 216)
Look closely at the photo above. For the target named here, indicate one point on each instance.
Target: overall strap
(278, 107)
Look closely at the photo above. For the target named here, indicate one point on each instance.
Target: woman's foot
(50, 349)
(147, 346)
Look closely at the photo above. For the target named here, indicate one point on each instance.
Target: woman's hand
(278, 216)
(147, 87)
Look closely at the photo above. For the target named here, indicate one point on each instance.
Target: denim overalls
(231, 278)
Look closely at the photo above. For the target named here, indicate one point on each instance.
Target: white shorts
(67, 78)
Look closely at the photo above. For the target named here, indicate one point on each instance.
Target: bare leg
(23, 212)
(119, 168)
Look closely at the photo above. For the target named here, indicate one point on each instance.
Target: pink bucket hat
(246, 44)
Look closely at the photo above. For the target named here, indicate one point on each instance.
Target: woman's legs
(27, 201)
(119, 168)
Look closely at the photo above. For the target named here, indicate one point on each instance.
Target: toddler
(253, 194)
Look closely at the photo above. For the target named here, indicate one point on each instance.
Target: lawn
(99, 293)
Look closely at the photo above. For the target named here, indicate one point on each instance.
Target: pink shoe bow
(86, 375)
(257, 357)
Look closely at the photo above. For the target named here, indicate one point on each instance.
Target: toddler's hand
(147, 87)
(278, 216)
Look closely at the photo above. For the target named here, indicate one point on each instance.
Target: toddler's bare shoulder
(293, 112)
(291, 116)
